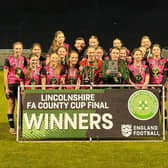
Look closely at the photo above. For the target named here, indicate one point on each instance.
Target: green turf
(76, 155)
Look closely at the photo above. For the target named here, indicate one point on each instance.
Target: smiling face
(123, 54)
(91, 53)
(62, 52)
(114, 54)
(156, 51)
(145, 42)
(73, 59)
(36, 50)
(60, 38)
(93, 42)
(34, 61)
(137, 56)
(143, 49)
(79, 44)
(17, 49)
(54, 58)
(117, 43)
(99, 53)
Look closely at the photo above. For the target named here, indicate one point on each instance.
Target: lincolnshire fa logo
(126, 130)
(143, 105)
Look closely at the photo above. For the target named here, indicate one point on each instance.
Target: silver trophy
(86, 79)
(113, 67)
(91, 73)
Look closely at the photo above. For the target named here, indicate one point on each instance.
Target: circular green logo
(143, 105)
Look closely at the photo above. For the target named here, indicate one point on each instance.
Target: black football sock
(11, 120)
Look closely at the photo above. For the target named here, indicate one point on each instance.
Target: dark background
(37, 21)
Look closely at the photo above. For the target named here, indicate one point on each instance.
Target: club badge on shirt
(71, 81)
(138, 77)
(18, 72)
(53, 81)
(33, 82)
(155, 72)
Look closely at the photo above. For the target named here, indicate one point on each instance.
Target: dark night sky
(36, 21)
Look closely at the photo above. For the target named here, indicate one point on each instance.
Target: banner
(98, 114)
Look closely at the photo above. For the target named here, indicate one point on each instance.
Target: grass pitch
(76, 155)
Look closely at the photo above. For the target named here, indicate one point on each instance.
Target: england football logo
(126, 130)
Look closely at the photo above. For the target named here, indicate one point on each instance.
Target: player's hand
(7, 91)
(108, 72)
